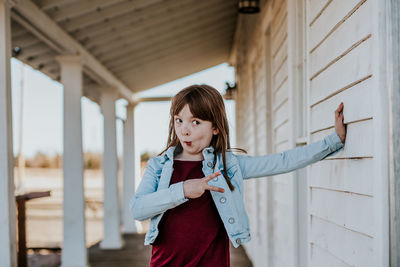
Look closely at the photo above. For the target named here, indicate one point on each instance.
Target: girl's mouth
(188, 143)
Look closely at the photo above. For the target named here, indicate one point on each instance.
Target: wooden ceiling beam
(80, 8)
(174, 61)
(48, 4)
(172, 47)
(33, 51)
(172, 71)
(24, 40)
(163, 42)
(107, 14)
(42, 58)
(54, 33)
(142, 18)
(142, 60)
(209, 42)
(163, 25)
(138, 43)
(16, 29)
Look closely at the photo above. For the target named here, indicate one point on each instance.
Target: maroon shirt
(191, 234)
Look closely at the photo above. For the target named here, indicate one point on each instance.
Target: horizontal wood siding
(341, 186)
(284, 244)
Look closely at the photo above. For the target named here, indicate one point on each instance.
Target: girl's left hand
(340, 127)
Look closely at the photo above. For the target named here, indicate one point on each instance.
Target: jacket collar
(208, 153)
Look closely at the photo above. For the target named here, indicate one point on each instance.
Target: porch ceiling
(143, 43)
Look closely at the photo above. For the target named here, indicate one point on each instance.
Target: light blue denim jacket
(154, 195)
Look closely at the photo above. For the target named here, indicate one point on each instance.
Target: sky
(42, 113)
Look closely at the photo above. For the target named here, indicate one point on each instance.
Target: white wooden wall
(274, 244)
(339, 64)
(341, 188)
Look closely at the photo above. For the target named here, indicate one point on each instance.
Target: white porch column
(129, 225)
(112, 232)
(74, 245)
(8, 243)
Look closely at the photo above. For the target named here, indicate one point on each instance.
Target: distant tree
(40, 160)
(92, 160)
(144, 157)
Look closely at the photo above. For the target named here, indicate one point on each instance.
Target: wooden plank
(211, 43)
(54, 32)
(351, 247)
(282, 236)
(278, 40)
(347, 34)
(280, 56)
(332, 16)
(141, 34)
(280, 95)
(279, 17)
(80, 8)
(352, 68)
(282, 133)
(321, 257)
(349, 210)
(350, 175)
(281, 114)
(283, 188)
(25, 40)
(315, 8)
(149, 44)
(282, 146)
(281, 75)
(48, 4)
(359, 140)
(282, 206)
(357, 102)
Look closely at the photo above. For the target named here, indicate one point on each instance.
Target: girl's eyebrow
(192, 117)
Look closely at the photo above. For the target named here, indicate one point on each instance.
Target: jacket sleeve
(148, 201)
(289, 160)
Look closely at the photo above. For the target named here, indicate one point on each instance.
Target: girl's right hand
(194, 188)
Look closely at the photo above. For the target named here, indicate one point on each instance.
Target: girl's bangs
(199, 107)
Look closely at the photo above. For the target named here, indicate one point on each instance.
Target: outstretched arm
(148, 202)
(289, 160)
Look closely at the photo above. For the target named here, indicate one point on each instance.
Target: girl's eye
(179, 120)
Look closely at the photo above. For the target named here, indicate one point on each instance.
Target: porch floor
(135, 253)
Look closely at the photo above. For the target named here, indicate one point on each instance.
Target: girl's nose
(185, 131)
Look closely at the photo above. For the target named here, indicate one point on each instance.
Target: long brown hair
(205, 103)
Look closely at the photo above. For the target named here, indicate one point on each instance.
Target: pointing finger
(215, 188)
(211, 176)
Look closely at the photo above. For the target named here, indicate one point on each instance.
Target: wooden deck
(135, 253)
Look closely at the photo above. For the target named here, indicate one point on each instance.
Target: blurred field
(44, 215)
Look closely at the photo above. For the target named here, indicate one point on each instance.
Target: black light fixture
(16, 51)
(230, 91)
(249, 6)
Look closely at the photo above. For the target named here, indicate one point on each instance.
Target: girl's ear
(215, 131)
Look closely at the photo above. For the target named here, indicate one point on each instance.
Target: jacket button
(238, 241)
(215, 179)
(231, 220)
(209, 164)
(222, 200)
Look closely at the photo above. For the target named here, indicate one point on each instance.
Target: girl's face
(194, 134)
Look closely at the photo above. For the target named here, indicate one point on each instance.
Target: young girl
(192, 191)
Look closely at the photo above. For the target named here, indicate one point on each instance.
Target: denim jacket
(154, 195)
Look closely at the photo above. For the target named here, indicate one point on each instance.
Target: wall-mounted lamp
(249, 6)
(230, 91)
